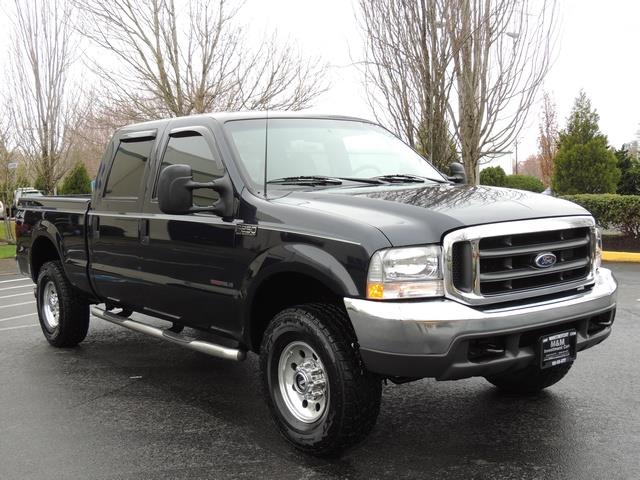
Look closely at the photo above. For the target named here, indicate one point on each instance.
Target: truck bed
(55, 202)
(60, 221)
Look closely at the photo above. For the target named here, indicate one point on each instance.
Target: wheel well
(43, 250)
(281, 291)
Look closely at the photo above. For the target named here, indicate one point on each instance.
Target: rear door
(114, 218)
(188, 261)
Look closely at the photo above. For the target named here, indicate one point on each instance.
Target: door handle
(144, 231)
(96, 228)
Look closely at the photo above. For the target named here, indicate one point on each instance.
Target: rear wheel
(529, 380)
(63, 312)
(322, 398)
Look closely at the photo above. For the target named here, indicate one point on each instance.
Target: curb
(621, 257)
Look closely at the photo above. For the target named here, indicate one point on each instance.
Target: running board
(165, 334)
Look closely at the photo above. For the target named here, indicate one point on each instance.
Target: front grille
(503, 262)
(507, 262)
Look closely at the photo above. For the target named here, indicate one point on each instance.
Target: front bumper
(448, 340)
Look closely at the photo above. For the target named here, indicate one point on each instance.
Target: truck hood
(409, 215)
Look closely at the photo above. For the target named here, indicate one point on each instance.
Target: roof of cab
(244, 115)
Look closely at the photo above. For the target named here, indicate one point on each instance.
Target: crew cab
(329, 248)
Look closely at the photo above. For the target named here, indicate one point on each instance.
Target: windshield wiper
(306, 180)
(312, 180)
(406, 178)
(372, 181)
(323, 180)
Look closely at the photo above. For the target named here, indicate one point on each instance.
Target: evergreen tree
(629, 166)
(493, 176)
(77, 181)
(41, 184)
(584, 163)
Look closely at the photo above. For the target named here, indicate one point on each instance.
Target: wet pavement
(126, 406)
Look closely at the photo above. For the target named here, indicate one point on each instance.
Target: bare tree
(501, 52)
(193, 59)
(43, 107)
(89, 138)
(547, 138)
(7, 181)
(482, 61)
(531, 166)
(406, 73)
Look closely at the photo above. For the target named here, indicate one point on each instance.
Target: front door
(188, 260)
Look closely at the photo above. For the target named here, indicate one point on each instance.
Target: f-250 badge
(246, 230)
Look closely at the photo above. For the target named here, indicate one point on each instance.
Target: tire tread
(362, 389)
(74, 308)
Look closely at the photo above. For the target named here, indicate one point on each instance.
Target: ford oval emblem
(545, 260)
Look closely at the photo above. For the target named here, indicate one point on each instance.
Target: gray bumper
(434, 338)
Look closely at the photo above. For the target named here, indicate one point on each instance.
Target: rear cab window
(127, 169)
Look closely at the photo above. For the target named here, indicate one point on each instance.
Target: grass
(3, 229)
(7, 251)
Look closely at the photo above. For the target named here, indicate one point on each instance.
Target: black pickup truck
(328, 247)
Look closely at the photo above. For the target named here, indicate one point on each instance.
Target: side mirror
(457, 173)
(175, 192)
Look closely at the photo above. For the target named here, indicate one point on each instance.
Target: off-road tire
(73, 313)
(529, 380)
(353, 393)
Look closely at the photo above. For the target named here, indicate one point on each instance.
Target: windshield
(323, 147)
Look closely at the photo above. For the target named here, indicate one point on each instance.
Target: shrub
(524, 182)
(610, 210)
(630, 181)
(493, 176)
(77, 181)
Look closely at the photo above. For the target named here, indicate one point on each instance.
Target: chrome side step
(165, 334)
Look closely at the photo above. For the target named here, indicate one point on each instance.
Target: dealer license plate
(557, 349)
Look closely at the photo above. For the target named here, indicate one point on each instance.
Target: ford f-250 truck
(328, 247)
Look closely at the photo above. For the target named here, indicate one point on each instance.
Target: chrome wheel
(303, 383)
(50, 306)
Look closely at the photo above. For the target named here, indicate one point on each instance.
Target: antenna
(266, 144)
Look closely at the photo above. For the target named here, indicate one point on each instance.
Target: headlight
(405, 273)
(598, 260)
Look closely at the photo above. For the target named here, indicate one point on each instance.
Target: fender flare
(304, 259)
(299, 258)
(46, 230)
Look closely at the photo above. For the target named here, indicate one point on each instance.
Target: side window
(192, 149)
(127, 168)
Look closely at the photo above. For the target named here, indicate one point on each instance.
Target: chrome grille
(496, 262)
(507, 262)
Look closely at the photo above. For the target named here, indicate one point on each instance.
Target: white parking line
(23, 279)
(19, 286)
(19, 326)
(17, 295)
(17, 304)
(18, 316)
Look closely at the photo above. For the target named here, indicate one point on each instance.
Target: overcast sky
(597, 50)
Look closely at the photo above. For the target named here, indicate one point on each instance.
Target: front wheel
(529, 380)
(320, 395)
(62, 311)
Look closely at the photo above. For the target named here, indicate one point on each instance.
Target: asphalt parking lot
(126, 406)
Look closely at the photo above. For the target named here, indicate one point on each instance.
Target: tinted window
(194, 150)
(340, 148)
(127, 168)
